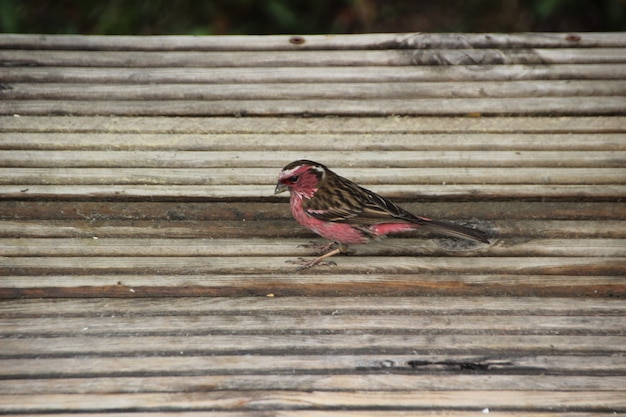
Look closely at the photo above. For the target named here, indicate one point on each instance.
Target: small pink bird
(344, 212)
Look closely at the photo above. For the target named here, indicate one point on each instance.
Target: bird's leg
(318, 261)
(320, 248)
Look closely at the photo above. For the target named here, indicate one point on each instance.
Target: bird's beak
(280, 187)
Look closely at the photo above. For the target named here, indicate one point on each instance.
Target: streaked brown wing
(344, 201)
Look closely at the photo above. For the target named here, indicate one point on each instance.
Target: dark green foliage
(194, 17)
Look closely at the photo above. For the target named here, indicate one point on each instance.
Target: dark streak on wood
(398, 288)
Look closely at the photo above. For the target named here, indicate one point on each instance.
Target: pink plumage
(344, 212)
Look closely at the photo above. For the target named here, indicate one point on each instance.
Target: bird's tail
(455, 230)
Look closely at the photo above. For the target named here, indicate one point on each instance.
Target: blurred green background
(194, 17)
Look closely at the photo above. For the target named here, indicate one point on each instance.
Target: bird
(345, 213)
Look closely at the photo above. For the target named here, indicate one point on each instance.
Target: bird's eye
(295, 178)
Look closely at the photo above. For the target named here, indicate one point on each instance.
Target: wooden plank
(330, 91)
(313, 323)
(187, 265)
(461, 306)
(102, 226)
(599, 401)
(263, 176)
(262, 75)
(314, 42)
(311, 343)
(311, 58)
(472, 192)
(290, 247)
(254, 364)
(306, 383)
(121, 284)
(514, 218)
(307, 141)
(330, 413)
(275, 161)
(323, 125)
(591, 105)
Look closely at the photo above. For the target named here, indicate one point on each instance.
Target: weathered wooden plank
(598, 401)
(271, 323)
(325, 383)
(323, 125)
(303, 141)
(310, 58)
(289, 247)
(278, 364)
(311, 343)
(278, 265)
(329, 413)
(264, 176)
(114, 283)
(470, 192)
(462, 306)
(314, 42)
(275, 161)
(335, 413)
(528, 218)
(381, 107)
(361, 91)
(533, 218)
(105, 226)
(261, 75)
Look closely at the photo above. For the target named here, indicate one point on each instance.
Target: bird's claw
(306, 264)
(319, 247)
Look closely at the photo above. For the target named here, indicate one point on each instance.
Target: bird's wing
(379, 208)
(351, 203)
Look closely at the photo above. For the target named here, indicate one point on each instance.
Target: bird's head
(301, 177)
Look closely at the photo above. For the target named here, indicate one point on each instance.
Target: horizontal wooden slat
(416, 107)
(333, 413)
(375, 323)
(303, 142)
(269, 247)
(462, 191)
(462, 306)
(101, 226)
(324, 383)
(325, 125)
(262, 75)
(311, 58)
(517, 218)
(256, 265)
(275, 161)
(527, 400)
(423, 364)
(263, 176)
(321, 42)
(321, 284)
(331, 91)
(304, 344)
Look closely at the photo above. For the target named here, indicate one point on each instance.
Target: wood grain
(146, 266)
(366, 74)
(407, 139)
(589, 105)
(362, 125)
(323, 42)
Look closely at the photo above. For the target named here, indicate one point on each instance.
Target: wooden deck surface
(143, 254)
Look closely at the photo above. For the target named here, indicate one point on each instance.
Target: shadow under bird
(346, 213)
